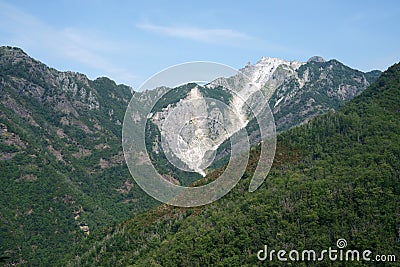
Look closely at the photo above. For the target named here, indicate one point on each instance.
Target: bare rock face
(193, 129)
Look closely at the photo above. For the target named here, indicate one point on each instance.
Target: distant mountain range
(62, 170)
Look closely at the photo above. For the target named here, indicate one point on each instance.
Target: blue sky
(129, 41)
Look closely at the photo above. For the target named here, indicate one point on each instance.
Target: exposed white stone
(191, 138)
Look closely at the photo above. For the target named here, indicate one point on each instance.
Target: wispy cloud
(22, 29)
(197, 34)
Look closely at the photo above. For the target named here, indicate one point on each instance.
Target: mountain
(335, 177)
(316, 88)
(296, 91)
(62, 170)
(63, 177)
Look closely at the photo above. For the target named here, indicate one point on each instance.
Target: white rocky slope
(265, 76)
(193, 129)
(189, 127)
(296, 91)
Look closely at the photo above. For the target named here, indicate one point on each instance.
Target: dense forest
(334, 177)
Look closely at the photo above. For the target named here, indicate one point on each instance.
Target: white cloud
(197, 34)
(28, 32)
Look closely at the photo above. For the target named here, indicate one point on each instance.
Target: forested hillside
(62, 170)
(335, 177)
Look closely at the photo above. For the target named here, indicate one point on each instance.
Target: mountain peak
(268, 59)
(276, 61)
(13, 55)
(12, 50)
(316, 59)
